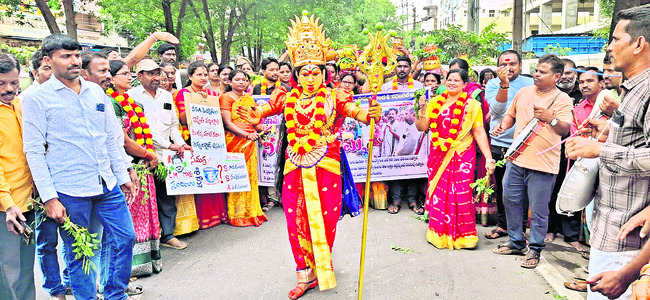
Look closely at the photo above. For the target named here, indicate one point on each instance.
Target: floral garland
(314, 115)
(265, 82)
(396, 84)
(136, 116)
(457, 109)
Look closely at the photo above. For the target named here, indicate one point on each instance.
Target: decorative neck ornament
(433, 111)
(136, 117)
(396, 83)
(305, 118)
(264, 84)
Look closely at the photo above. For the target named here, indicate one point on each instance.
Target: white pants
(601, 261)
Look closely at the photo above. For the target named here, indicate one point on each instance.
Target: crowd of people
(85, 139)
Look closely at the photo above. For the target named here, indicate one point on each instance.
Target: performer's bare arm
(141, 50)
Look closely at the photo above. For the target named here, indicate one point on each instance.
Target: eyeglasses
(347, 82)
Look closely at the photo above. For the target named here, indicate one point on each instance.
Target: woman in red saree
(309, 175)
(456, 123)
(244, 208)
(210, 208)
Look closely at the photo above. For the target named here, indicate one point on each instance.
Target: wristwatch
(554, 122)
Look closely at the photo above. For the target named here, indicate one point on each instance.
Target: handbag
(579, 186)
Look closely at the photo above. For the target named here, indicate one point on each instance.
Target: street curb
(556, 280)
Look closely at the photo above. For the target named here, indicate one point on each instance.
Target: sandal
(394, 208)
(578, 286)
(509, 249)
(134, 290)
(416, 209)
(305, 277)
(585, 254)
(495, 233)
(531, 260)
(175, 243)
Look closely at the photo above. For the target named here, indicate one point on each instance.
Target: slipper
(531, 260)
(580, 286)
(509, 249)
(174, 244)
(585, 254)
(495, 233)
(417, 210)
(394, 208)
(134, 290)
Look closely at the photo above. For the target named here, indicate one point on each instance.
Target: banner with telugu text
(208, 168)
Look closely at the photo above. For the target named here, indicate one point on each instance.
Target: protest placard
(268, 147)
(209, 168)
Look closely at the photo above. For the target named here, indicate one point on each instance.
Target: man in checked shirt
(622, 203)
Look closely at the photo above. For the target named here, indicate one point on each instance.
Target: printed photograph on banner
(268, 146)
(198, 173)
(399, 150)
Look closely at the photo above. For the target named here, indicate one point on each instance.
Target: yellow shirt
(15, 178)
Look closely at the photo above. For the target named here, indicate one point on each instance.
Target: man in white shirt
(161, 112)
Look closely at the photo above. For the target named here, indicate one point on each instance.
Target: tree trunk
(618, 6)
(70, 22)
(48, 17)
(167, 12)
(179, 25)
(518, 25)
(210, 34)
(232, 26)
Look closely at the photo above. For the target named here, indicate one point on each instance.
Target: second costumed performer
(310, 171)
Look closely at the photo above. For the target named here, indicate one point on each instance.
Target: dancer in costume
(244, 208)
(310, 169)
(210, 208)
(456, 122)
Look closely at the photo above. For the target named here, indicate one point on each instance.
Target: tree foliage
(244, 27)
(453, 42)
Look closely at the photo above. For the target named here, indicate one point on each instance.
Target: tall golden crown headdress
(306, 41)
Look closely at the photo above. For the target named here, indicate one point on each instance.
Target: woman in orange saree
(456, 124)
(244, 208)
(210, 208)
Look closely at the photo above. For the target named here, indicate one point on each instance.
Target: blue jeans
(111, 210)
(518, 183)
(47, 240)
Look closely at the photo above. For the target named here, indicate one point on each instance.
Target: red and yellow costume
(312, 185)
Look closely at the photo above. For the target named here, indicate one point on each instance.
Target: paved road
(225, 262)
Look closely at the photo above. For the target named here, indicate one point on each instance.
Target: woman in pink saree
(456, 123)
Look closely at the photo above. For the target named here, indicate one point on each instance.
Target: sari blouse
(472, 118)
(225, 102)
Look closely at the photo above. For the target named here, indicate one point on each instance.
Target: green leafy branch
(84, 242)
(416, 100)
(401, 249)
(161, 172)
(482, 186)
(142, 171)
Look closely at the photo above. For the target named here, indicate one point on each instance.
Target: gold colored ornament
(306, 41)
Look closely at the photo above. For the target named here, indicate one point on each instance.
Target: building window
(491, 13)
(506, 13)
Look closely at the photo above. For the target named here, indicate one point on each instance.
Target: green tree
(453, 42)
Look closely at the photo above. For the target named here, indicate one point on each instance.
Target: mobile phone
(28, 233)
